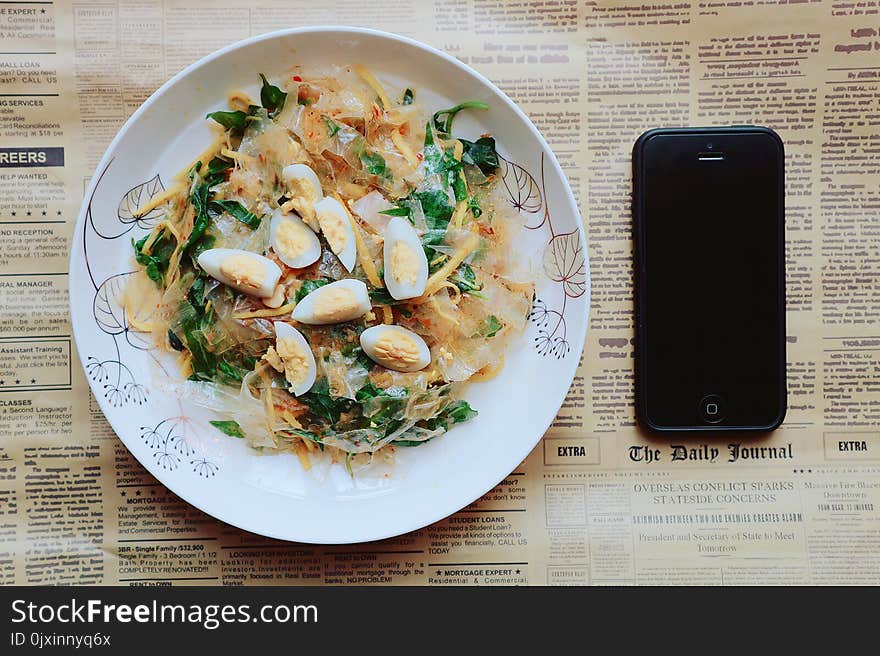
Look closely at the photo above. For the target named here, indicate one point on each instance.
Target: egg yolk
(244, 271)
(296, 363)
(291, 239)
(335, 230)
(336, 304)
(397, 350)
(404, 264)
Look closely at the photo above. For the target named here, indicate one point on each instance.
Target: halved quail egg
(244, 271)
(406, 265)
(343, 300)
(293, 241)
(294, 357)
(336, 226)
(395, 347)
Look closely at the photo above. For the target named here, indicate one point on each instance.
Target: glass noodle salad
(334, 269)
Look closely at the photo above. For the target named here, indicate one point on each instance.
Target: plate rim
(442, 510)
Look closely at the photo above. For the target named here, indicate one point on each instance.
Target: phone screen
(712, 349)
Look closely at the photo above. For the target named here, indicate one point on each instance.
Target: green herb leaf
(217, 169)
(309, 435)
(474, 207)
(235, 121)
(354, 351)
(199, 199)
(444, 118)
(408, 97)
(436, 206)
(195, 323)
(481, 153)
(156, 262)
(236, 209)
(368, 391)
(381, 296)
(459, 411)
(397, 211)
(429, 239)
(322, 404)
(332, 126)
(374, 164)
(465, 279)
(490, 326)
(230, 371)
(383, 407)
(271, 97)
(204, 243)
(230, 427)
(196, 295)
(308, 286)
(455, 413)
(154, 274)
(459, 187)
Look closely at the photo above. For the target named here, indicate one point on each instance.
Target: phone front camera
(708, 146)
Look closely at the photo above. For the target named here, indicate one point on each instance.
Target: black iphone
(709, 212)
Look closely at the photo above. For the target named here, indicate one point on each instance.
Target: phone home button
(712, 408)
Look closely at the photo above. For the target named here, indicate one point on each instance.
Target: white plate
(271, 494)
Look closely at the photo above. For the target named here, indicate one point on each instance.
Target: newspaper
(598, 501)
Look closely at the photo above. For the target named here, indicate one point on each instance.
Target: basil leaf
(354, 351)
(465, 279)
(459, 188)
(332, 126)
(445, 124)
(199, 199)
(490, 326)
(309, 435)
(196, 295)
(195, 323)
(217, 168)
(204, 243)
(366, 392)
(480, 153)
(474, 207)
(383, 407)
(235, 121)
(408, 97)
(322, 404)
(155, 262)
(397, 211)
(436, 206)
(374, 164)
(230, 427)
(459, 412)
(308, 286)
(381, 296)
(230, 371)
(271, 97)
(154, 274)
(455, 413)
(236, 209)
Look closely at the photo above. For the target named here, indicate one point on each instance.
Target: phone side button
(712, 409)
